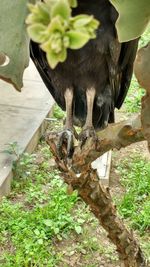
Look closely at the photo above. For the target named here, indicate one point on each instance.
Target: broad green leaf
(14, 41)
(134, 16)
(63, 55)
(81, 20)
(73, 3)
(62, 9)
(40, 14)
(66, 41)
(54, 43)
(56, 25)
(77, 39)
(53, 58)
(38, 32)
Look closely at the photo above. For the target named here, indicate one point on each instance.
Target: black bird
(94, 79)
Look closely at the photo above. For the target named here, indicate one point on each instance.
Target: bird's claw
(87, 133)
(65, 145)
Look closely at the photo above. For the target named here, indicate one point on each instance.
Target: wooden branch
(100, 202)
(116, 136)
(81, 177)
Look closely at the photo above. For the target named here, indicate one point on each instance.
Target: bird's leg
(66, 136)
(88, 129)
(69, 101)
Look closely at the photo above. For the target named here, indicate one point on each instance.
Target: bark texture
(80, 176)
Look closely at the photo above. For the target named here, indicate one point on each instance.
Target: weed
(135, 204)
(133, 99)
(145, 38)
(12, 149)
(31, 231)
(23, 165)
(37, 211)
(58, 113)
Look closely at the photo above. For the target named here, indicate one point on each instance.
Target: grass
(133, 100)
(37, 210)
(38, 215)
(135, 174)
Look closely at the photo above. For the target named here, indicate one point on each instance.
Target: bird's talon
(87, 133)
(65, 145)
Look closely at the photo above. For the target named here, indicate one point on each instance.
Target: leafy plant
(37, 212)
(12, 149)
(58, 113)
(133, 100)
(135, 176)
(51, 25)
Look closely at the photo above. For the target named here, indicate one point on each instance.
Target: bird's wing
(127, 57)
(39, 59)
(123, 59)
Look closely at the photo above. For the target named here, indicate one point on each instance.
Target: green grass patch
(37, 212)
(135, 176)
(133, 99)
(58, 113)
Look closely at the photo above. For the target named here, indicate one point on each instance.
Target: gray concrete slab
(21, 119)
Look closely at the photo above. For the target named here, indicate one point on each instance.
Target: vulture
(94, 79)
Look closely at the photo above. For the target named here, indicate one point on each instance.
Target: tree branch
(81, 177)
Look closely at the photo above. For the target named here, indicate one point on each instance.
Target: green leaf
(81, 221)
(40, 241)
(56, 231)
(77, 39)
(73, 3)
(14, 41)
(48, 222)
(56, 25)
(39, 14)
(134, 16)
(81, 20)
(38, 33)
(54, 59)
(62, 9)
(63, 55)
(78, 229)
(37, 232)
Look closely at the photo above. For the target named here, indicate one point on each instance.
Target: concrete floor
(21, 119)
